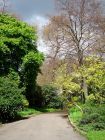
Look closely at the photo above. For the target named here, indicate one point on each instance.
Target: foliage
(94, 116)
(18, 51)
(94, 73)
(65, 81)
(68, 85)
(36, 98)
(51, 97)
(16, 40)
(29, 71)
(31, 66)
(91, 122)
(11, 98)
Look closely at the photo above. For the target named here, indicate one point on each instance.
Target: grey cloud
(27, 8)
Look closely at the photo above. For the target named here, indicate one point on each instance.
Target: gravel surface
(53, 126)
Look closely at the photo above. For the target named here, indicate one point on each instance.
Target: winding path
(52, 126)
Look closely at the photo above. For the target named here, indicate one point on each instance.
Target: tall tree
(71, 34)
(18, 51)
(3, 5)
(29, 72)
(16, 40)
(72, 31)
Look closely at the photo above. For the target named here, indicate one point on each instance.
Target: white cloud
(39, 21)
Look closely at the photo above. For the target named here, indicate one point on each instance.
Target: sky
(34, 12)
(31, 10)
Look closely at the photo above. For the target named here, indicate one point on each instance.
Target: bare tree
(48, 69)
(72, 33)
(3, 5)
(100, 43)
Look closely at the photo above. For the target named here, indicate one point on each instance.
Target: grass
(31, 111)
(27, 112)
(48, 110)
(75, 116)
(96, 135)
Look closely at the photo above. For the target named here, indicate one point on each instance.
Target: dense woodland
(71, 76)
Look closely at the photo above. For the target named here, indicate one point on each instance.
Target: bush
(51, 98)
(11, 98)
(36, 98)
(90, 118)
(94, 116)
(99, 126)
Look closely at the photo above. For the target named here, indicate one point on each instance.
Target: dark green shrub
(90, 118)
(50, 97)
(55, 103)
(11, 98)
(93, 116)
(36, 97)
(99, 126)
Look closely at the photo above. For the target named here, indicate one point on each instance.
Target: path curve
(52, 126)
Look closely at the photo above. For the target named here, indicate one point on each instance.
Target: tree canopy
(16, 40)
(18, 54)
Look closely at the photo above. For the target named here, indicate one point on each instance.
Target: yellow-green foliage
(65, 81)
(94, 73)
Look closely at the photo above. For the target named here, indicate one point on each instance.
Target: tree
(94, 73)
(18, 51)
(48, 70)
(71, 34)
(51, 97)
(3, 5)
(68, 84)
(29, 71)
(16, 40)
(100, 43)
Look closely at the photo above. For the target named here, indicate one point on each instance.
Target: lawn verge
(75, 116)
(27, 112)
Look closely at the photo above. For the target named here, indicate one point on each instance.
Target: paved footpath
(52, 126)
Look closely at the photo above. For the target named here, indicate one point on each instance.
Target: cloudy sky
(33, 12)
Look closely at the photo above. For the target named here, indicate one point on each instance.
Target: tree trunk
(84, 88)
(83, 99)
